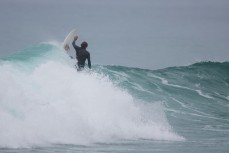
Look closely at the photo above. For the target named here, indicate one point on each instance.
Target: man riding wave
(81, 54)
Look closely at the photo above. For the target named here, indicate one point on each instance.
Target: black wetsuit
(81, 55)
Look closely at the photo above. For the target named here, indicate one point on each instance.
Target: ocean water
(47, 106)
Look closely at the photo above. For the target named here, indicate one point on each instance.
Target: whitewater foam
(54, 104)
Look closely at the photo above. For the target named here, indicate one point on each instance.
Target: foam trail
(227, 97)
(165, 82)
(204, 95)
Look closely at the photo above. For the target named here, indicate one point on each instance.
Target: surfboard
(68, 40)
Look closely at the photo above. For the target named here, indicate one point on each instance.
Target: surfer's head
(84, 44)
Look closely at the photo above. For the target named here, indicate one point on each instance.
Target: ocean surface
(46, 106)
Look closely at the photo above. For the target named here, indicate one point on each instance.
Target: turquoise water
(47, 106)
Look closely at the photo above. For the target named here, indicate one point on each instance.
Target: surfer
(81, 54)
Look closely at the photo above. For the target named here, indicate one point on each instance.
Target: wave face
(45, 101)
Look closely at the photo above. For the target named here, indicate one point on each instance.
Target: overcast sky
(138, 33)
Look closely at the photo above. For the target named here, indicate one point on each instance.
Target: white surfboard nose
(68, 40)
